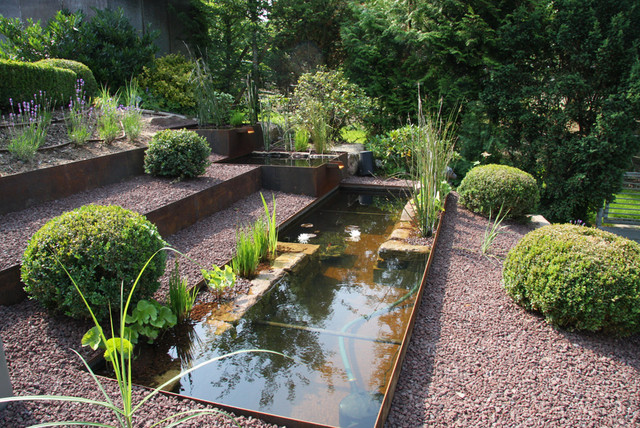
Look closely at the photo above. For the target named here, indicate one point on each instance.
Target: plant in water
(28, 128)
(320, 130)
(118, 350)
(108, 118)
(272, 233)
(492, 231)
(218, 280)
(260, 234)
(181, 299)
(431, 146)
(79, 119)
(247, 257)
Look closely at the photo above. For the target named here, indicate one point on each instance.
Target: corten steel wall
(162, 15)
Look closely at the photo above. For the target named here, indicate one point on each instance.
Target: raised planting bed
(233, 142)
(171, 206)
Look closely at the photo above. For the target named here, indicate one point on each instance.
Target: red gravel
(478, 359)
(142, 194)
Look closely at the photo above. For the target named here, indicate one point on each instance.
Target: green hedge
(21, 80)
(103, 248)
(486, 188)
(577, 277)
(83, 72)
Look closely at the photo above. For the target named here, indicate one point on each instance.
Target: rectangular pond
(341, 318)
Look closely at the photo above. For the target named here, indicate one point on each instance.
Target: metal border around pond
(397, 367)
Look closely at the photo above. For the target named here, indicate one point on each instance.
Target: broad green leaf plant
(118, 351)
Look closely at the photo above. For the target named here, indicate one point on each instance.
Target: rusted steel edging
(169, 219)
(395, 375)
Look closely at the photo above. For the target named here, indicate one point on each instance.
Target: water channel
(341, 318)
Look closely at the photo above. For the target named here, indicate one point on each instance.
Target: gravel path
(142, 194)
(477, 359)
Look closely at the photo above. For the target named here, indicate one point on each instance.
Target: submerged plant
(118, 351)
(431, 146)
(28, 128)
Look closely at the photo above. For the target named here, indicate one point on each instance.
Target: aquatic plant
(181, 298)
(218, 280)
(272, 233)
(247, 257)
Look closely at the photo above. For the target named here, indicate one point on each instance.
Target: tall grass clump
(108, 118)
(245, 262)
(320, 130)
(301, 139)
(272, 229)
(181, 298)
(79, 119)
(212, 107)
(431, 146)
(130, 111)
(28, 128)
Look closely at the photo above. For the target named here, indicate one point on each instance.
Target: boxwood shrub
(486, 188)
(102, 247)
(21, 80)
(82, 71)
(177, 153)
(577, 277)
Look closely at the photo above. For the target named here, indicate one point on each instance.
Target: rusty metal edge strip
(395, 375)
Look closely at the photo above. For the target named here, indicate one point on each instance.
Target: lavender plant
(28, 128)
(108, 120)
(80, 117)
(130, 111)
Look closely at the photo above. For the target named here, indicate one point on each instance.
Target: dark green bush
(577, 277)
(486, 188)
(82, 71)
(21, 80)
(166, 85)
(102, 248)
(113, 49)
(177, 153)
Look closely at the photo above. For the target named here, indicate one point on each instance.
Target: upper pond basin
(340, 319)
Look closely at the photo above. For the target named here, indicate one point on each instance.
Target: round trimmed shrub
(577, 277)
(177, 153)
(486, 188)
(82, 71)
(103, 248)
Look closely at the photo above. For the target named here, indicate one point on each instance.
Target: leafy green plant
(177, 153)
(166, 85)
(432, 142)
(28, 128)
(577, 277)
(79, 119)
(247, 257)
(393, 150)
(272, 236)
(103, 247)
(148, 319)
(237, 118)
(218, 280)
(492, 231)
(301, 139)
(118, 351)
(328, 98)
(181, 298)
(488, 187)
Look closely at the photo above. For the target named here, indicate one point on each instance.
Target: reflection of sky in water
(303, 238)
(354, 233)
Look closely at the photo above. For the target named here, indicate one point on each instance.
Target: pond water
(341, 319)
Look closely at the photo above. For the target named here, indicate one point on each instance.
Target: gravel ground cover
(478, 359)
(142, 194)
(38, 346)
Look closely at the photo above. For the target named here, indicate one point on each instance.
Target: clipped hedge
(486, 188)
(177, 153)
(577, 277)
(102, 247)
(82, 71)
(21, 80)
